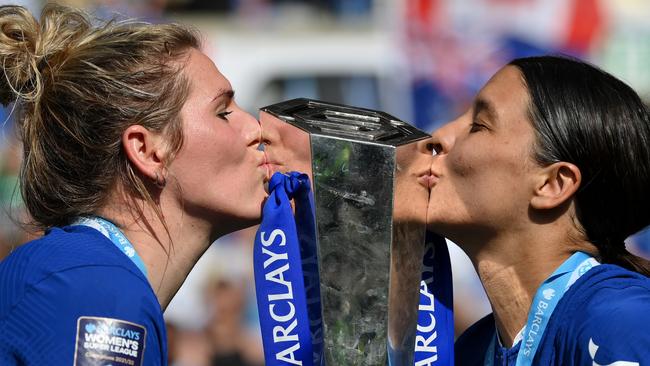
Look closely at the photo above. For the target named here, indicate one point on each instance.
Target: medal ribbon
(115, 235)
(281, 275)
(434, 340)
(546, 299)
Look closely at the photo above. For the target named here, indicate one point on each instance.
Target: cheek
(463, 164)
(483, 166)
(482, 180)
(293, 150)
(211, 150)
(296, 141)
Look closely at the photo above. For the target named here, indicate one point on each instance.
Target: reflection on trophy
(369, 176)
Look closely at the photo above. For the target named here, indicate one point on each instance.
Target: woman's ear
(557, 183)
(146, 151)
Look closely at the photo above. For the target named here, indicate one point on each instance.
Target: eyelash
(475, 127)
(224, 115)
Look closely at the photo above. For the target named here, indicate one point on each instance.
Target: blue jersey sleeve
(85, 315)
(612, 329)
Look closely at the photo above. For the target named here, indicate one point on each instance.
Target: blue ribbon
(306, 225)
(546, 298)
(288, 287)
(281, 275)
(109, 230)
(434, 340)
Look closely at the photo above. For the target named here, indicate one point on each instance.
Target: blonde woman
(136, 157)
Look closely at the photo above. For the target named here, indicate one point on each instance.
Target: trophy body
(370, 212)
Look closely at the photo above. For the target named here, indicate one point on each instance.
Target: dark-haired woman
(136, 158)
(540, 182)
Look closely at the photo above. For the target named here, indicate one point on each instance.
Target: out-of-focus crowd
(439, 52)
(213, 318)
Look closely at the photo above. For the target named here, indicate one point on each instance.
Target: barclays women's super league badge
(106, 341)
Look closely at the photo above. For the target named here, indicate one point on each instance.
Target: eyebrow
(483, 105)
(224, 93)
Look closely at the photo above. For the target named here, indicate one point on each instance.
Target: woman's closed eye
(477, 126)
(224, 115)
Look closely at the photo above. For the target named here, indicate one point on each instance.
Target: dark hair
(587, 117)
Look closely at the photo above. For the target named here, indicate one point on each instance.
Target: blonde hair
(77, 87)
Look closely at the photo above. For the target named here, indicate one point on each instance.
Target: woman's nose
(270, 126)
(250, 129)
(443, 139)
(426, 146)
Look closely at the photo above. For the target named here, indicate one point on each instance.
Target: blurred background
(420, 60)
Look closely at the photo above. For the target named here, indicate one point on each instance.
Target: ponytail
(587, 117)
(619, 255)
(77, 85)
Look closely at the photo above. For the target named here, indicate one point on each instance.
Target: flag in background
(453, 47)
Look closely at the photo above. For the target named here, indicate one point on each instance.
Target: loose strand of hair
(633, 262)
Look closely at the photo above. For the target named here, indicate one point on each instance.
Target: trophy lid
(345, 122)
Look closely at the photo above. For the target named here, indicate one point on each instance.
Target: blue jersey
(603, 319)
(73, 298)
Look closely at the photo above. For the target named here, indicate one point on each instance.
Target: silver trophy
(367, 170)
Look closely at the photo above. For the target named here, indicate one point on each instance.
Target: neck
(169, 254)
(513, 268)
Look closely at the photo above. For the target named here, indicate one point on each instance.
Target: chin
(232, 226)
(445, 228)
(245, 221)
(434, 223)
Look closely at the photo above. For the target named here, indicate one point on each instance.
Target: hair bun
(19, 40)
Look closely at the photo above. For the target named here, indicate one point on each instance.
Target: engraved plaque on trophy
(370, 218)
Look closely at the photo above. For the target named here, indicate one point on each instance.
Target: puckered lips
(270, 166)
(428, 179)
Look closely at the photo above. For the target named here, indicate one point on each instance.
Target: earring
(160, 181)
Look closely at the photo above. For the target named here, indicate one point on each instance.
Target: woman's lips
(264, 165)
(267, 176)
(428, 180)
(271, 167)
